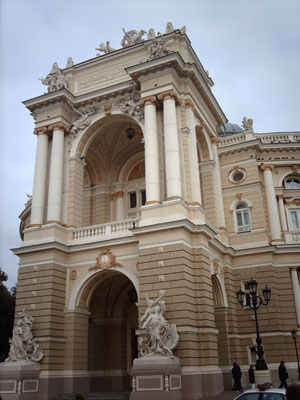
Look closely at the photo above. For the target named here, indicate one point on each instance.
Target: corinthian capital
(148, 100)
(58, 126)
(42, 130)
(170, 94)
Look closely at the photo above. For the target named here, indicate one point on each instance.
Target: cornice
(174, 61)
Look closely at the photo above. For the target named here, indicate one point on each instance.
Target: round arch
(219, 291)
(84, 289)
(99, 120)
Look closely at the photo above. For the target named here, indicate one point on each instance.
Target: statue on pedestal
(24, 347)
(161, 337)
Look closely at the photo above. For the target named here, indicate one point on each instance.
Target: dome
(230, 129)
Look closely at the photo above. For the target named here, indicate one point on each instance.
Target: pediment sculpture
(24, 347)
(160, 337)
(55, 80)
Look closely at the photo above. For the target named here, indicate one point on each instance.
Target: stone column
(56, 174)
(40, 176)
(220, 203)
(151, 151)
(194, 163)
(271, 203)
(120, 206)
(296, 291)
(172, 155)
(282, 213)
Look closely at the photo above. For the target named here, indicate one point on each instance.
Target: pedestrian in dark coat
(251, 376)
(237, 375)
(283, 375)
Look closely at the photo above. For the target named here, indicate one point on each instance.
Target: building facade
(141, 186)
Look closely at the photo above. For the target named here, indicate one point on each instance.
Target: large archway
(112, 344)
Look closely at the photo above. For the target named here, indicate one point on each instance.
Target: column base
(52, 222)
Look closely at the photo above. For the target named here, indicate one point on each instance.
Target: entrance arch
(112, 344)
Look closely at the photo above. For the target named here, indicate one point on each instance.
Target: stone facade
(183, 206)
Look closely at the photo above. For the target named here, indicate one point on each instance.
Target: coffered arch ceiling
(110, 148)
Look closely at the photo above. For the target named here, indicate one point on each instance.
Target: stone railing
(107, 231)
(233, 139)
(292, 237)
(270, 138)
(289, 137)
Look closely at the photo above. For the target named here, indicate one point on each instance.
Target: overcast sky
(250, 47)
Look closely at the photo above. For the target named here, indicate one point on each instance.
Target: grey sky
(250, 47)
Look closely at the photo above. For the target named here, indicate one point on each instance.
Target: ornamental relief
(84, 116)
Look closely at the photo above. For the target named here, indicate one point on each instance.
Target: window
(237, 175)
(292, 182)
(252, 355)
(132, 200)
(295, 219)
(143, 197)
(242, 217)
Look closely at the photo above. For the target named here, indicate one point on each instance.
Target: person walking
(283, 375)
(237, 375)
(251, 376)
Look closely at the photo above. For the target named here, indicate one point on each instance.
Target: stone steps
(96, 396)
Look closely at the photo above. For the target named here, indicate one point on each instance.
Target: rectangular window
(143, 197)
(132, 200)
(243, 220)
(295, 219)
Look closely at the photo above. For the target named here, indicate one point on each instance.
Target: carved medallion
(105, 260)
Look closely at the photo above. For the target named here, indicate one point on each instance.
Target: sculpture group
(160, 337)
(24, 347)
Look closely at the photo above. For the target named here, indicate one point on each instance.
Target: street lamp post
(255, 303)
(294, 336)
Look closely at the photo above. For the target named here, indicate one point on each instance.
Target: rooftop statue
(151, 34)
(132, 37)
(24, 347)
(70, 62)
(161, 337)
(247, 124)
(56, 80)
(170, 28)
(105, 48)
(157, 48)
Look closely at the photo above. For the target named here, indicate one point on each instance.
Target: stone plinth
(156, 377)
(20, 380)
(262, 376)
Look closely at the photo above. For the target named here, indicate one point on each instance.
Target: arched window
(242, 215)
(292, 182)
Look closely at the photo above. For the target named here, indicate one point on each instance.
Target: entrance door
(112, 323)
